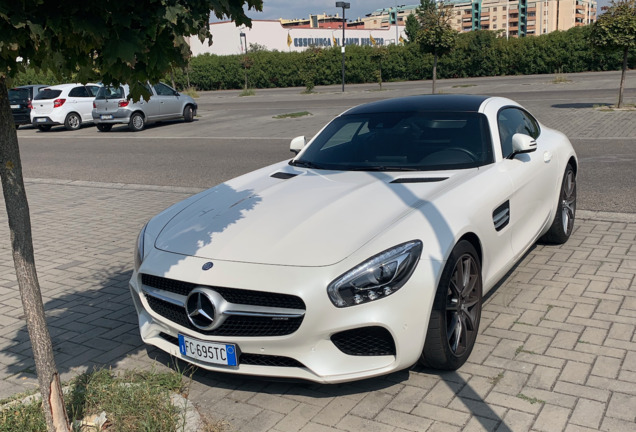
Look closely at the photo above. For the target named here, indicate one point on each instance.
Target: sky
(275, 9)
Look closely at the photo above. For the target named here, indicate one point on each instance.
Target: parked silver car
(113, 105)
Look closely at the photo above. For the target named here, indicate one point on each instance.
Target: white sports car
(367, 252)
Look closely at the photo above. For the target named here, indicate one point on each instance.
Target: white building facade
(227, 39)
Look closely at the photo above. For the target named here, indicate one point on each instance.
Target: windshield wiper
(381, 168)
(304, 164)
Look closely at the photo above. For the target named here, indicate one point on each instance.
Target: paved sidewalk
(557, 349)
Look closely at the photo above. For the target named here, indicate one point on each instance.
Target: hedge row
(477, 54)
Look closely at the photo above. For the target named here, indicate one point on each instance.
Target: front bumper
(309, 352)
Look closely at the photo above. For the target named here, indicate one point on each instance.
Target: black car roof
(446, 102)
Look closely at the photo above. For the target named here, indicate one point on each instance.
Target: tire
(188, 113)
(104, 127)
(454, 323)
(137, 122)
(72, 122)
(563, 223)
(44, 128)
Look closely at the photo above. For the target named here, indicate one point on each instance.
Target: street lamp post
(243, 38)
(343, 5)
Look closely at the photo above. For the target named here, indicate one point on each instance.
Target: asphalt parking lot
(557, 344)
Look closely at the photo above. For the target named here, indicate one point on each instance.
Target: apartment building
(521, 17)
(513, 18)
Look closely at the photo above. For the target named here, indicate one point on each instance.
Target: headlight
(139, 248)
(377, 277)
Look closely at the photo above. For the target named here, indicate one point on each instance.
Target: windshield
(47, 94)
(18, 94)
(404, 141)
(110, 93)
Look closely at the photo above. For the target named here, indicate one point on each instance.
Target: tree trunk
(434, 72)
(23, 259)
(622, 87)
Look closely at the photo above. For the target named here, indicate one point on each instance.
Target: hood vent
(283, 175)
(419, 179)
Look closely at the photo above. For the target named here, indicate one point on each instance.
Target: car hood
(312, 218)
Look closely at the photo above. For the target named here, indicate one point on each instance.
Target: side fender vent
(419, 179)
(501, 216)
(283, 175)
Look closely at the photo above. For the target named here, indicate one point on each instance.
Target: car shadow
(582, 105)
(123, 128)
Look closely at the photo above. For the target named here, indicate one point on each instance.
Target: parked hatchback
(20, 100)
(113, 105)
(65, 104)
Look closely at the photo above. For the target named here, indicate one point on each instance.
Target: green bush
(477, 54)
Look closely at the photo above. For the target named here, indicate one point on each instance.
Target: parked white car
(65, 104)
(114, 106)
(367, 252)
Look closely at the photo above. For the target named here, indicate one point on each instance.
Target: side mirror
(522, 143)
(297, 144)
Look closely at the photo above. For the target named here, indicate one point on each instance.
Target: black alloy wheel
(454, 322)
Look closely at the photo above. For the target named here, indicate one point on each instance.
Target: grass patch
(495, 380)
(133, 401)
(293, 115)
(247, 92)
(191, 91)
(464, 85)
(612, 108)
(529, 399)
(560, 77)
(520, 350)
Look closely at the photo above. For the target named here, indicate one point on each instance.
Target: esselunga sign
(227, 39)
(327, 42)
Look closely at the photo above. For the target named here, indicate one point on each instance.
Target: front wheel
(454, 323)
(137, 122)
(188, 114)
(72, 122)
(563, 224)
(104, 127)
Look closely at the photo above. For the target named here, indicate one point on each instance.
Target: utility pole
(343, 5)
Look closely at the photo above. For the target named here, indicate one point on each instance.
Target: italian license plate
(15, 106)
(209, 352)
(106, 117)
(40, 120)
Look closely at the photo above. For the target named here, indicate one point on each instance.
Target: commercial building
(229, 39)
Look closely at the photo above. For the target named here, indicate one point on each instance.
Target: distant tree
(616, 30)
(379, 56)
(411, 28)
(256, 47)
(436, 36)
(115, 41)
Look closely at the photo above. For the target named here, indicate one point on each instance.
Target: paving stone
(588, 413)
(515, 421)
(622, 407)
(575, 372)
(552, 418)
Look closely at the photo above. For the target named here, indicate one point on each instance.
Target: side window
(92, 90)
(511, 121)
(78, 92)
(163, 90)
